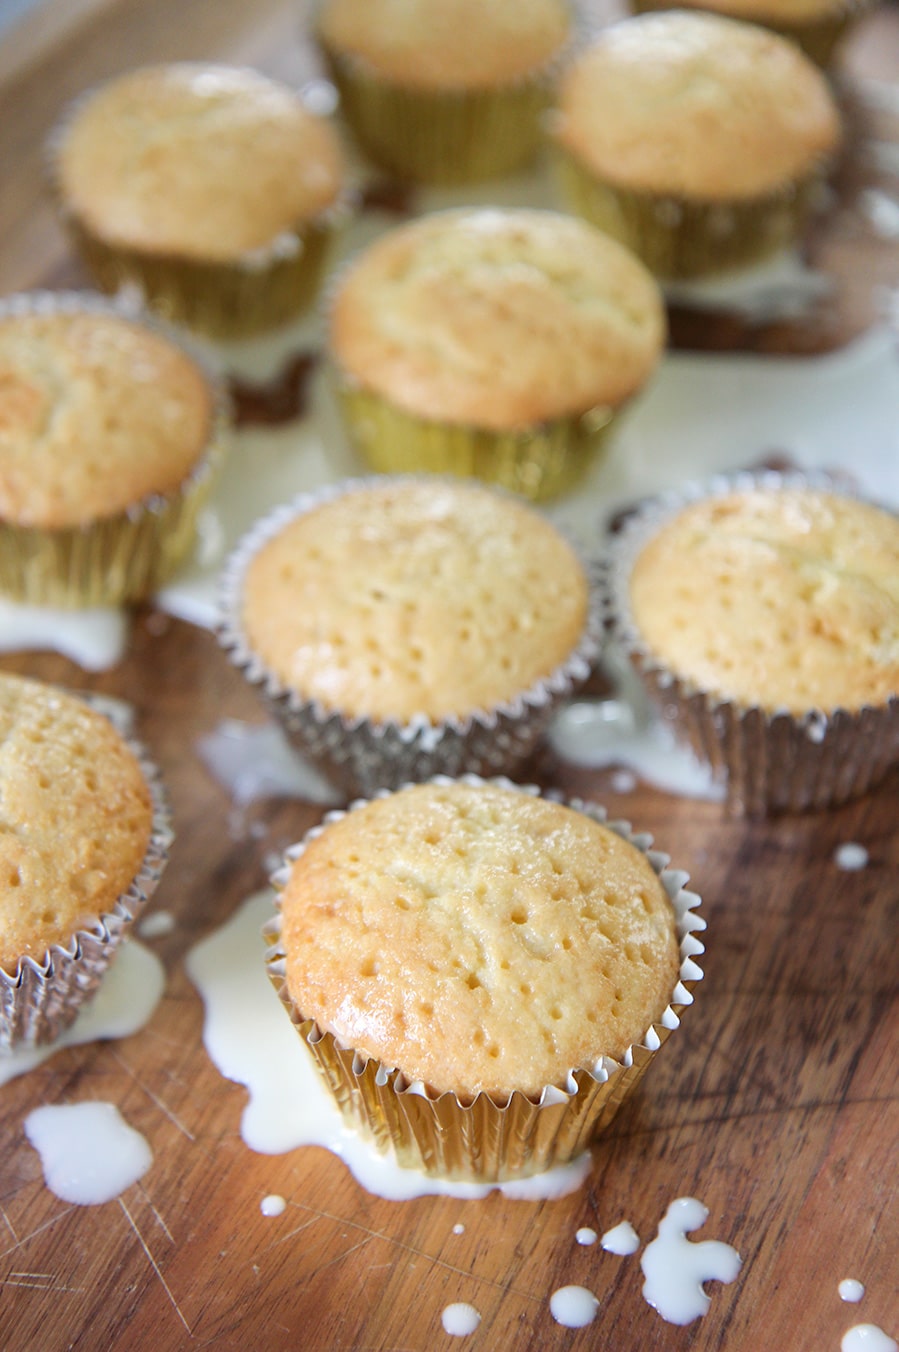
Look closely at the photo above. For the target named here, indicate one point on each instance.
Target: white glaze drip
(586, 1236)
(460, 1320)
(573, 1306)
(95, 639)
(272, 1205)
(867, 1338)
(250, 1039)
(782, 287)
(851, 1290)
(458, 1229)
(675, 1268)
(89, 1153)
(156, 925)
(850, 857)
(257, 761)
(127, 997)
(622, 1239)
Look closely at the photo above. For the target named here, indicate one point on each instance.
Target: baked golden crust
(204, 162)
(777, 13)
(478, 938)
(499, 319)
(782, 599)
(75, 817)
(415, 597)
(698, 106)
(97, 413)
(446, 44)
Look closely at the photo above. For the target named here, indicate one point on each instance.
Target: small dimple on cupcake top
(478, 938)
(198, 161)
(696, 105)
(497, 318)
(782, 599)
(96, 414)
(414, 598)
(446, 44)
(75, 817)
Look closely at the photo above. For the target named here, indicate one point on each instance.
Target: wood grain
(775, 1103)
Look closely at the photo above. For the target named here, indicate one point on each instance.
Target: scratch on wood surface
(149, 1203)
(39, 1281)
(154, 1098)
(155, 1267)
(9, 1224)
(730, 1118)
(46, 1226)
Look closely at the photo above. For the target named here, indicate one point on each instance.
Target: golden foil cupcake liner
(261, 289)
(39, 1000)
(363, 755)
(442, 136)
(536, 462)
(768, 761)
(490, 1140)
(679, 238)
(129, 555)
(817, 35)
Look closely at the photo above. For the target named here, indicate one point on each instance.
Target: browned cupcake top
(478, 938)
(497, 318)
(199, 161)
(785, 599)
(778, 13)
(96, 414)
(446, 44)
(696, 105)
(414, 597)
(75, 817)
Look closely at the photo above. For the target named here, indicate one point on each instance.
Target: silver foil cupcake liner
(362, 754)
(490, 1140)
(39, 1000)
(128, 555)
(768, 761)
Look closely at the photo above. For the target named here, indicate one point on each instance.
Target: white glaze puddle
(573, 1306)
(675, 1268)
(95, 639)
(586, 1236)
(460, 1320)
(624, 731)
(881, 210)
(250, 1039)
(127, 997)
(458, 1229)
(256, 761)
(272, 1205)
(850, 856)
(782, 287)
(851, 1290)
(156, 925)
(867, 1338)
(89, 1153)
(622, 1239)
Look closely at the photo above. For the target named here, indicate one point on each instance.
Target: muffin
(84, 840)
(213, 189)
(481, 975)
(406, 627)
(696, 140)
(444, 91)
(816, 26)
(763, 614)
(110, 434)
(492, 343)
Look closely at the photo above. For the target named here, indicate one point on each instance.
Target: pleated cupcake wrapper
(443, 136)
(492, 1139)
(258, 290)
(364, 755)
(677, 237)
(816, 35)
(127, 556)
(769, 761)
(40, 999)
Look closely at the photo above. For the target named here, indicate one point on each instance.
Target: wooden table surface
(775, 1103)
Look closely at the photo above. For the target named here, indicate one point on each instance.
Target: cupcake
(492, 343)
(762, 612)
(444, 91)
(110, 436)
(480, 974)
(402, 628)
(696, 140)
(817, 26)
(84, 840)
(212, 189)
